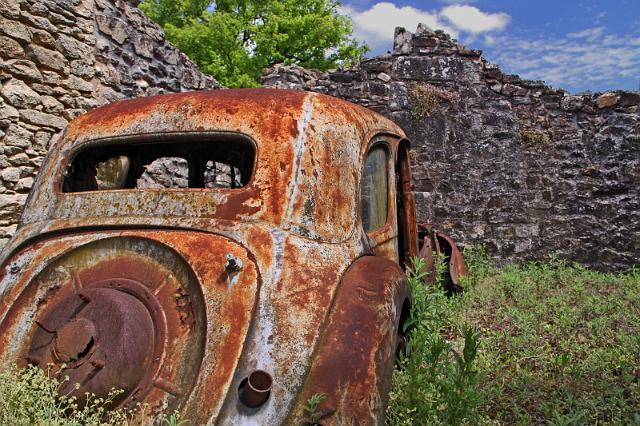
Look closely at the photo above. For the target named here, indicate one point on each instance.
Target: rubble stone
(19, 94)
(608, 99)
(15, 30)
(10, 48)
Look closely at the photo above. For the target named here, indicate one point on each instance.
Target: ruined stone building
(523, 168)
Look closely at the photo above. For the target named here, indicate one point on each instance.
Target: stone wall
(523, 168)
(59, 58)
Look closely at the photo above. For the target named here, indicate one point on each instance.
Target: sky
(577, 45)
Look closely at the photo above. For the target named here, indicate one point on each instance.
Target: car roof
(256, 112)
(309, 152)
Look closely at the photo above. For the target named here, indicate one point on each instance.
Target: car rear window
(185, 162)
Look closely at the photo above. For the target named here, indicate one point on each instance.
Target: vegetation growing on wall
(533, 136)
(425, 98)
(234, 40)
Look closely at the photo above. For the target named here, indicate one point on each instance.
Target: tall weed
(436, 382)
(548, 343)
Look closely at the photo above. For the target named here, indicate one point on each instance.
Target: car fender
(354, 359)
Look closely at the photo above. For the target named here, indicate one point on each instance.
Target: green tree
(234, 40)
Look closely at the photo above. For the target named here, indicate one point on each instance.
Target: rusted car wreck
(261, 267)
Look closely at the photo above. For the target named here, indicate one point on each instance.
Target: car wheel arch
(355, 355)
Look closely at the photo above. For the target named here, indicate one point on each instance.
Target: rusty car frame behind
(233, 302)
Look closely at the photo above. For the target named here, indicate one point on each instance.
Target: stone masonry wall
(60, 58)
(523, 168)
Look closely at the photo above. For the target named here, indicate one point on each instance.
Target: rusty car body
(232, 302)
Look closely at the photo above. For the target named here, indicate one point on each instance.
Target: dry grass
(425, 98)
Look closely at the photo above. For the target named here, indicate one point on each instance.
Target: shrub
(437, 379)
(30, 396)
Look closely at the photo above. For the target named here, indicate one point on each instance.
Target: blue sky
(577, 45)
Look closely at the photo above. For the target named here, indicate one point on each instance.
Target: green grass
(544, 343)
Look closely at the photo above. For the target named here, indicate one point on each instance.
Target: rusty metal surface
(304, 177)
(457, 265)
(406, 205)
(184, 354)
(295, 230)
(353, 362)
(429, 251)
(436, 246)
(255, 389)
(104, 337)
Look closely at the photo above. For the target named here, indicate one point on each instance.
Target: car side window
(375, 187)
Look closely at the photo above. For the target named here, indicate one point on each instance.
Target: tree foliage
(234, 40)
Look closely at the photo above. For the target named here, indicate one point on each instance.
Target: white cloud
(376, 24)
(489, 40)
(589, 58)
(590, 34)
(473, 20)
